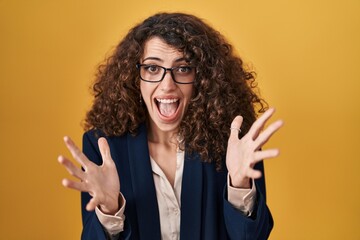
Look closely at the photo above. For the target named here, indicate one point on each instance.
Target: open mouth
(167, 107)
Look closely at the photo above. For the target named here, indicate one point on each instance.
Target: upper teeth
(167, 100)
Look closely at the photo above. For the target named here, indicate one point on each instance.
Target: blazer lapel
(143, 185)
(191, 198)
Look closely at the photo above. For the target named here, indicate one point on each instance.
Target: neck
(158, 136)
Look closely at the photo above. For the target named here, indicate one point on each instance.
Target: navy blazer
(205, 211)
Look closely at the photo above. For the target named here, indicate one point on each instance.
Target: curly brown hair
(223, 88)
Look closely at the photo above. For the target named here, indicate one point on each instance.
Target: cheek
(146, 91)
(188, 91)
(143, 91)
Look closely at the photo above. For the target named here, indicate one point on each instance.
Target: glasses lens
(151, 73)
(184, 74)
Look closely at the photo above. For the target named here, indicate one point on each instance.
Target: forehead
(156, 47)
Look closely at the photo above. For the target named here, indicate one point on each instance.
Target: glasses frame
(138, 66)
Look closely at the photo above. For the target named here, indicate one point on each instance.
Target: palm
(101, 182)
(242, 154)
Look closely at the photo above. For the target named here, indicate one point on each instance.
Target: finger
(260, 123)
(264, 154)
(267, 133)
(235, 127)
(104, 150)
(80, 186)
(252, 173)
(71, 168)
(92, 204)
(76, 153)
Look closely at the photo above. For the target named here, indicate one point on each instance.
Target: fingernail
(64, 182)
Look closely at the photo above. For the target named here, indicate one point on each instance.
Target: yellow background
(306, 53)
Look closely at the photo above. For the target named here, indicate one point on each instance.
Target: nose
(167, 84)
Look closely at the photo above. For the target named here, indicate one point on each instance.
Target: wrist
(112, 207)
(239, 182)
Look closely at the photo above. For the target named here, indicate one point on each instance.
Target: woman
(173, 121)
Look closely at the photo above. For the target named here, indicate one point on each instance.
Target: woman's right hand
(101, 182)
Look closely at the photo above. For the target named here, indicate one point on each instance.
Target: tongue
(167, 109)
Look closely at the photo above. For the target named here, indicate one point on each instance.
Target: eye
(184, 69)
(152, 68)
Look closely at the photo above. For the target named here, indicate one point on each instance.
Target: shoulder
(90, 145)
(91, 137)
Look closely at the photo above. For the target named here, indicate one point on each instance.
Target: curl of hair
(223, 89)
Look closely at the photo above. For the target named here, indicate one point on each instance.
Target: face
(166, 101)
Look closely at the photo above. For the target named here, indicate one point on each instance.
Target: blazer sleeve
(92, 228)
(259, 224)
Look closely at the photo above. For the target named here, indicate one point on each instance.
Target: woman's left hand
(242, 154)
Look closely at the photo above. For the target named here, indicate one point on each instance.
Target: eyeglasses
(154, 73)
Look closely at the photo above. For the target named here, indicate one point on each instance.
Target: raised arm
(99, 183)
(244, 163)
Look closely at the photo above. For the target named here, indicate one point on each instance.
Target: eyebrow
(160, 60)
